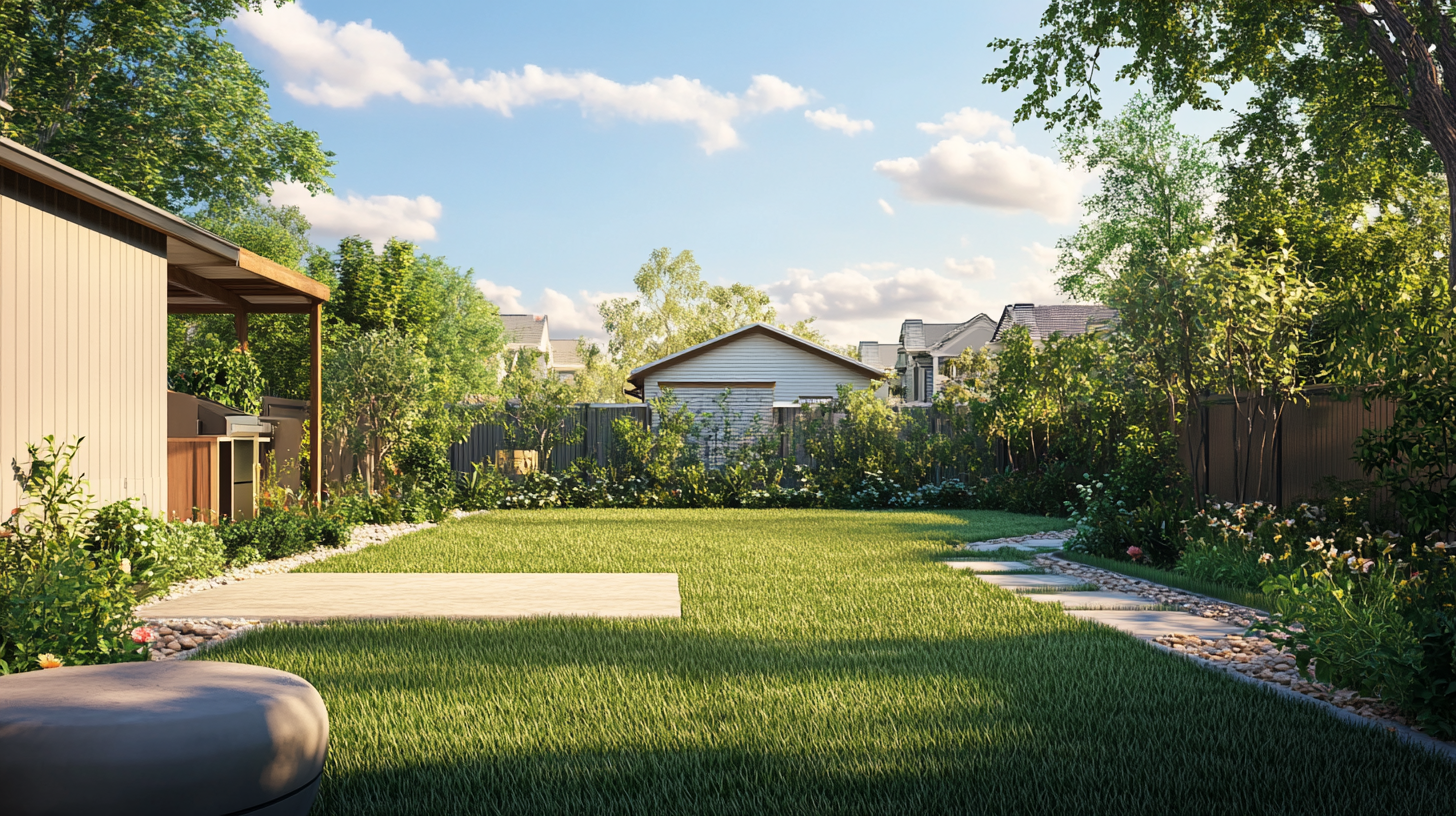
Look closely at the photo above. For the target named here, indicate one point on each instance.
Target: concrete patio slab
(1148, 624)
(1025, 582)
(988, 566)
(1101, 599)
(320, 596)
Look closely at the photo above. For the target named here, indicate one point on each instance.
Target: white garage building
(763, 367)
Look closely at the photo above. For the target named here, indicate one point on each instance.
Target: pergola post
(315, 404)
(240, 325)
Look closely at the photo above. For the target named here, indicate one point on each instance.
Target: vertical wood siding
(83, 340)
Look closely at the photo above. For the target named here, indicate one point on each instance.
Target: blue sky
(885, 209)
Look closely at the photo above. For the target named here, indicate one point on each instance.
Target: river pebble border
(181, 639)
(1192, 603)
(1256, 657)
(1050, 539)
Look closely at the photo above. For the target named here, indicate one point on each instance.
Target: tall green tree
(151, 97)
(1358, 92)
(676, 308)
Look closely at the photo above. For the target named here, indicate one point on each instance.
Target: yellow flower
(126, 565)
(48, 661)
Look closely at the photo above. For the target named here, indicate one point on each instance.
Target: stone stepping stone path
(1100, 600)
(1022, 583)
(989, 566)
(321, 596)
(1148, 624)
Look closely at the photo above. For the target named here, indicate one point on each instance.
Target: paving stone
(1023, 582)
(320, 596)
(1150, 624)
(988, 566)
(1100, 599)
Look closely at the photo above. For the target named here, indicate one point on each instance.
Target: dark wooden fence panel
(597, 441)
(1312, 442)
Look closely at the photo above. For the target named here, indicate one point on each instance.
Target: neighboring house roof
(880, 355)
(1042, 321)
(639, 374)
(918, 336)
(206, 274)
(525, 330)
(564, 356)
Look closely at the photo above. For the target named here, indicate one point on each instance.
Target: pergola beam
(206, 288)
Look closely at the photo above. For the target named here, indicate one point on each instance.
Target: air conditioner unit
(247, 426)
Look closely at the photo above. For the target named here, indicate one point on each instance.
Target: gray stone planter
(91, 739)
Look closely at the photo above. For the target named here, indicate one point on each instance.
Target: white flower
(1265, 558)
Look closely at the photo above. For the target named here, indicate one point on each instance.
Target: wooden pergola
(227, 279)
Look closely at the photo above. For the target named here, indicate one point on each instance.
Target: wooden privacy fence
(1310, 443)
(597, 441)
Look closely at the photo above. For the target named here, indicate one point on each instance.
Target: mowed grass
(824, 663)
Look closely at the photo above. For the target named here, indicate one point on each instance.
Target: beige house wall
(83, 340)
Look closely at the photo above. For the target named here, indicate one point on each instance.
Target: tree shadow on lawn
(647, 717)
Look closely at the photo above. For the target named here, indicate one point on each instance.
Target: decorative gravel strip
(1190, 602)
(180, 639)
(1057, 536)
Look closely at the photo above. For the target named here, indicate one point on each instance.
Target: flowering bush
(1378, 617)
(1241, 544)
(65, 593)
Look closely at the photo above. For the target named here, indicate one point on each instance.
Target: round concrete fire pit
(97, 739)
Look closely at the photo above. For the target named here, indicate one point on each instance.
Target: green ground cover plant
(824, 663)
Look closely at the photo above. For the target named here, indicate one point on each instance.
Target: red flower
(1135, 552)
(142, 634)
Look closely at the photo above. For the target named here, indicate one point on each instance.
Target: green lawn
(823, 664)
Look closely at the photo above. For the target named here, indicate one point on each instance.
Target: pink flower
(142, 634)
(1135, 552)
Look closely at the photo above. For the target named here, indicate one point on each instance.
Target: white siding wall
(796, 373)
(752, 359)
(83, 341)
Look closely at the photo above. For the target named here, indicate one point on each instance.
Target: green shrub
(186, 550)
(273, 533)
(60, 593)
(1141, 503)
(1378, 617)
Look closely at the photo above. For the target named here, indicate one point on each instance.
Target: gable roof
(954, 333)
(917, 335)
(639, 374)
(524, 329)
(564, 356)
(1042, 321)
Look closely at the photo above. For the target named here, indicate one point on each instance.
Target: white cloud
(345, 65)
(977, 268)
(832, 119)
(853, 306)
(570, 317)
(885, 205)
(1037, 282)
(506, 298)
(1041, 254)
(988, 174)
(377, 218)
(971, 123)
